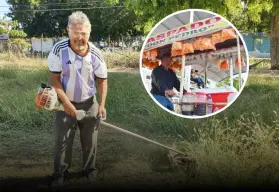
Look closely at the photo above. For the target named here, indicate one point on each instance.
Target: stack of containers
(200, 107)
(189, 99)
(194, 103)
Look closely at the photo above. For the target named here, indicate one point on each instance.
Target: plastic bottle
(209, 101)
(231, 97)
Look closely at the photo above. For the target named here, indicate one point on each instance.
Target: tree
(16, 43)
(36, 21)
(274, 37)
(149, 12)
(246, 15)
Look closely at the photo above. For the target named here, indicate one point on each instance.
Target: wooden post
(205, 74)
(122, 42)
(109, 41)
(9, 51)
(42, 46)
(239, 63)
(182, 82)
(231, 72)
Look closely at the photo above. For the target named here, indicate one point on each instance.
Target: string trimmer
(47, 98)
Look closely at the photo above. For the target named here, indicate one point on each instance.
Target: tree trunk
(274, 42)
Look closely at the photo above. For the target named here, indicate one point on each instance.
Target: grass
(124, 59)
(242, 153)
(236, 146)
(117, 59)
(265, 64)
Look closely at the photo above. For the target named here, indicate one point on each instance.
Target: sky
(5, 9)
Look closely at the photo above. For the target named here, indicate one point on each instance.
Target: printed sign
(187, 31)
(224, 53)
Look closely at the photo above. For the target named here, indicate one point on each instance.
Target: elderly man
(163, 80)
(77, 72)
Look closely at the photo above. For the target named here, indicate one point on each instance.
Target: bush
(122, 59)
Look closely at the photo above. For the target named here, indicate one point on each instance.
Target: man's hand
(170, 93)
(70, 109)
(102, 111)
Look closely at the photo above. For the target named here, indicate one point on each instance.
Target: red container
(219, 97)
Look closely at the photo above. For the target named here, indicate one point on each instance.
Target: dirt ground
(123, 162)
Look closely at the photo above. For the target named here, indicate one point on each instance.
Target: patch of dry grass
(115, 61)
(122, 59)
(23, 63)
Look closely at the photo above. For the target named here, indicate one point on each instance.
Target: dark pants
(199, 82)
(65, 128)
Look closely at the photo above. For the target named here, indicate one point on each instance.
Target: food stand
(210, 46)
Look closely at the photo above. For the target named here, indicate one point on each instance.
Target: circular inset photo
(194, 63)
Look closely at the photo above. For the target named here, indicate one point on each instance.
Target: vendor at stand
(163, 80)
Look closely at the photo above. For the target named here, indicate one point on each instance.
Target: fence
(41, 47)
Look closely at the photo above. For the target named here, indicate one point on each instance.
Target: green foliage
(20, 42)
(252, 15)
(245, 15)
(14, 24)
(256, 7)
(3, 22)
(275, 7)
(149, 12)
(3, 25)
(3, 31)
(112, 22)
(138, 15)
(16, 43)
(226, 82)
(258, 41)
(17, 34)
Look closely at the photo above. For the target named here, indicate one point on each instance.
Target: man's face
(194, 75)
(166, 60)
(79, 35)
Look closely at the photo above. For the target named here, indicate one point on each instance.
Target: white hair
(79, 17)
